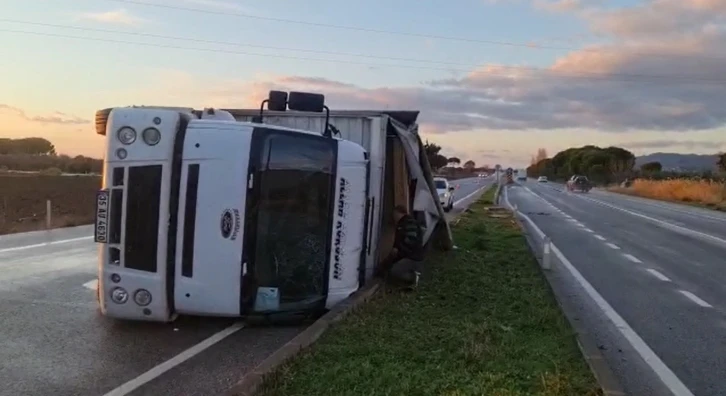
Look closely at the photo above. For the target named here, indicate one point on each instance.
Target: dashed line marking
(695, 299)
(658, 275)
(600, 237)
(45, 244)
(666, 375)
(157, 371)
(613, 246)
(93, 285)
(632, 258)
(589, 230)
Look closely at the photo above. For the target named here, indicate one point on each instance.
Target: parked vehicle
(542, 179)
(445, 192)
(254, 212)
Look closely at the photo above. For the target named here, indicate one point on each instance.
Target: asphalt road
(660, 266)
(55, 342)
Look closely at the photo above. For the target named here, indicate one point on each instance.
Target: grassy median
(483, 321)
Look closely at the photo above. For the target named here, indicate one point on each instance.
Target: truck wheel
(102, 120)
(409, 237)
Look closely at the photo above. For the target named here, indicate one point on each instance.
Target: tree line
(450, 166)
(606, 165)
(601, 165)
(38, 154)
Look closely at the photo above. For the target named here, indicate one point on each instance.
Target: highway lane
(56, 342)
(660, 269)
(467, 191)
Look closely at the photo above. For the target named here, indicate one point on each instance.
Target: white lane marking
(93, 285)
(613, 246)
(632, 258)
(589, 230)
(666, 224)
(36, 245)
(658, 275)
(470, 195)
(600, 237)
(695, 299)
(668, 377)
(155, 372)
(666, 205)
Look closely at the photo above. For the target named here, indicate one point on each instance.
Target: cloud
(637, 82)
(219, 4)
(53, 118)
(670, 144)
(117, 17)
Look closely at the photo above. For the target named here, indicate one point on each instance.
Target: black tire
(102, 121)
(409, 237)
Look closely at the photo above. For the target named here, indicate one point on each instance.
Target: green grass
(482, 321)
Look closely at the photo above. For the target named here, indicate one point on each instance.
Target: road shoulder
(588, 347)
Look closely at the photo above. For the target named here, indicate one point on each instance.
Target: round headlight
(121, 153)
(151, 136)
(142, 297)
(126, 135)
(119, 295)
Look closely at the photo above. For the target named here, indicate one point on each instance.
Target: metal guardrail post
(47, 215)
(547, 254)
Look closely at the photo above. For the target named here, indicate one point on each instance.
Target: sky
(494, 80)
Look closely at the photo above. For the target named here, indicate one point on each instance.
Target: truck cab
(201, 214)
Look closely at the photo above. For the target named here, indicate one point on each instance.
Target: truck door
(212, 197)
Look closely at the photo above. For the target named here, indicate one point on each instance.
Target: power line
(400, 33)
(552, 73)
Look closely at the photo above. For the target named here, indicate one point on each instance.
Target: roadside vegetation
(482, 321)
(23, 201)
(709, 193)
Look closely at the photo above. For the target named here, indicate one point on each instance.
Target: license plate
(102, 207)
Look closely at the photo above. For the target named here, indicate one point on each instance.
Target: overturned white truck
(255, 212)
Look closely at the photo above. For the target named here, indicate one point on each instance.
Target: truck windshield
(291, 220)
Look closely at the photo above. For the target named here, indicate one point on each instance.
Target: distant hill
(680, 162)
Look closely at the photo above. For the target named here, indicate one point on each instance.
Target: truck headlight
(151, 136)
(126, 135)
(119, 295)
(142, 297)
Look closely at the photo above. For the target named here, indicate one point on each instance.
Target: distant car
(579, 183)
(446, 193)
(542, 179)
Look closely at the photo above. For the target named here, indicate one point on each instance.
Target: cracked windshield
(229, 197)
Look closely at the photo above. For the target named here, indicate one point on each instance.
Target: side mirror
(304, 101)
(452, 188)
(277, 101)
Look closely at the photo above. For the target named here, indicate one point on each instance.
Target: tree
(469, 165)
(603, 165)
(27, 146)
(722, 162)
(541, 155)
(652, 167)
(436, 160)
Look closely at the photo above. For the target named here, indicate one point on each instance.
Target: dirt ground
(23, 201)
